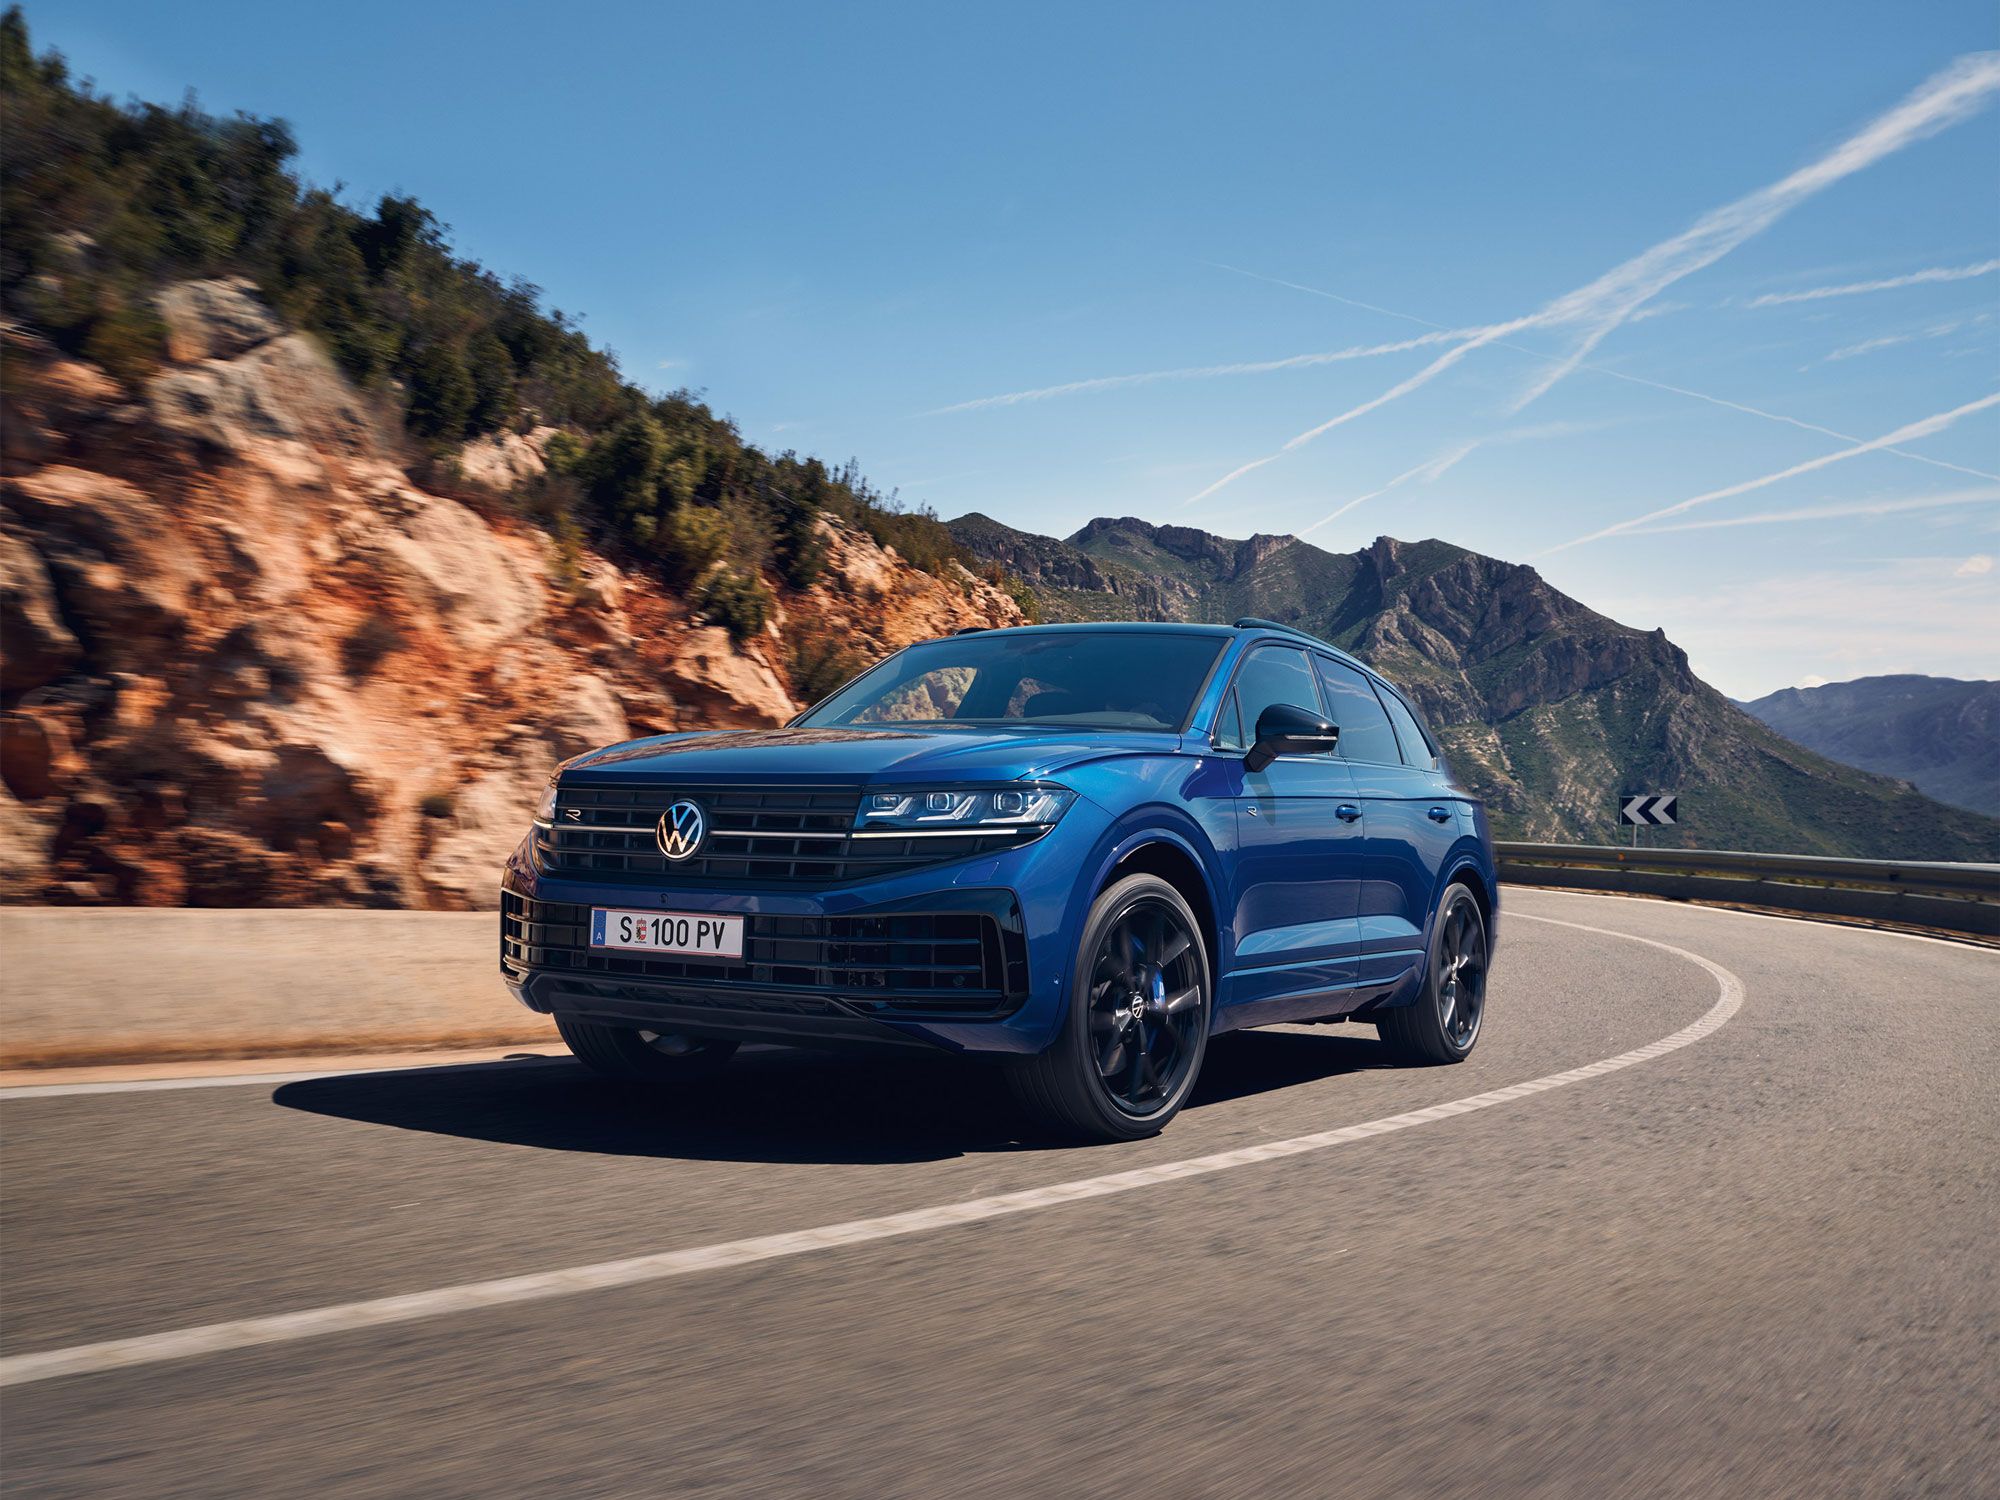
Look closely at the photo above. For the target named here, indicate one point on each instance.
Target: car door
(1294, 928)
(1410, 828)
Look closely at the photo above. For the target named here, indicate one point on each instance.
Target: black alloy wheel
(1146, 1005)
(1443, 1023)
(1130, 1046)
(1462, 976)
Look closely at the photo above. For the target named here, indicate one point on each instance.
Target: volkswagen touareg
(1081, 850)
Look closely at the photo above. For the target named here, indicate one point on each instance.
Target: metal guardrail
(1963, 899)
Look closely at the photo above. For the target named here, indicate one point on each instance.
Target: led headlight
(545, 809)
(964, 809)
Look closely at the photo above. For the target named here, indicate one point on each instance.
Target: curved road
(1758, 1260)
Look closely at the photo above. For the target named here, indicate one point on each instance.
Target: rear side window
(1364, 728)
(1417, 749)
(1274, 674)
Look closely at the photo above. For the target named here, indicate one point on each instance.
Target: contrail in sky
(1606, 370)
(1979, 495)
(1910, 431)
(1202, 372)
(1431, 468)
(1853, 288)
(1601, 306)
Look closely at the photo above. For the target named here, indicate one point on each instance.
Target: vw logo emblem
(681, 829)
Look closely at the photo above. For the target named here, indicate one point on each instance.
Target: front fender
(1153, 823)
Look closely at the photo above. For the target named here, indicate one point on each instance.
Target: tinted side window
(1364, 729)
(1416, 744)
(1274, 674)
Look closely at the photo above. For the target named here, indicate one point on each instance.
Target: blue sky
(838, 221)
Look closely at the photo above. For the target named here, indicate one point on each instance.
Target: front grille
(939, 963)
(800, 835)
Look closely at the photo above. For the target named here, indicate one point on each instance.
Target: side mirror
(1285, 730)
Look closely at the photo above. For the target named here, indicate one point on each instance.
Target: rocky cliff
(246, 659)
(1546, 707)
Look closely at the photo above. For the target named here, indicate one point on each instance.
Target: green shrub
(622, 470)
(1023, 596)
(738, 602)
(693, 540)
(818, 662)
(564, 452)
(440, 394)
(800, 546)
(128, 343)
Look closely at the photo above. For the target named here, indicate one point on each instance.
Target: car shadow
(776, 1104)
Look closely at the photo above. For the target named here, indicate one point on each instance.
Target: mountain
(1546, 707)
(1938, 733)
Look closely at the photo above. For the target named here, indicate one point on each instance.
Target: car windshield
(1099, 679)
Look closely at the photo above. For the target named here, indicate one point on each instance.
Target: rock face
(247, 661)
(1547, 708)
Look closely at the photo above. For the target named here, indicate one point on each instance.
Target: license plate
(686, 934)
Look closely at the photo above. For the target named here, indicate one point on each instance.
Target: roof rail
(1253, 622)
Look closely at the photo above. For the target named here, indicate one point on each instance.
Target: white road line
(346, 1317)
(238, 1080)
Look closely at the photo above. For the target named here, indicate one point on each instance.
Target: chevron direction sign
(1648, 809)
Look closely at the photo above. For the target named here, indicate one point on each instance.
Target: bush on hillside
(736, 601)
(818, 662)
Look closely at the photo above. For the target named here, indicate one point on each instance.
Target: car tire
(638, 1056)
(1442, 1025)
(1133, 1035)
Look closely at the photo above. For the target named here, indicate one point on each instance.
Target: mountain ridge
(1941, 734)
(1546, 707)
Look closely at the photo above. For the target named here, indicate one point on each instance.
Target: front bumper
(967, 957)
(952, 957)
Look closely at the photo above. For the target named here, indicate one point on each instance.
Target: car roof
(1247, 627)
(1150, 627)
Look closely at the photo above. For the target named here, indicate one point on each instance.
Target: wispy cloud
(1890, 340)
(1439, 464)
(1608, 372)
(1904, 434)
(1945, 499)
(1975, 566)
(1200, 372)
(1890, 284)
(1601, 306)
(1868, 346)
(1431, 468)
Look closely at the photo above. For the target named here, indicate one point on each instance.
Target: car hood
(859, 755)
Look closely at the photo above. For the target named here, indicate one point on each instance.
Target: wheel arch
(1171, 861)
(1469, 866)
(1158, 841)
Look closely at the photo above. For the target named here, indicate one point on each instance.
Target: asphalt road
(1760, 1263)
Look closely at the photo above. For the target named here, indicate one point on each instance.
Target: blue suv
(1082, 850)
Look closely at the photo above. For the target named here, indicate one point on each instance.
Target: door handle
(1347, 812)
(1440, 815)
